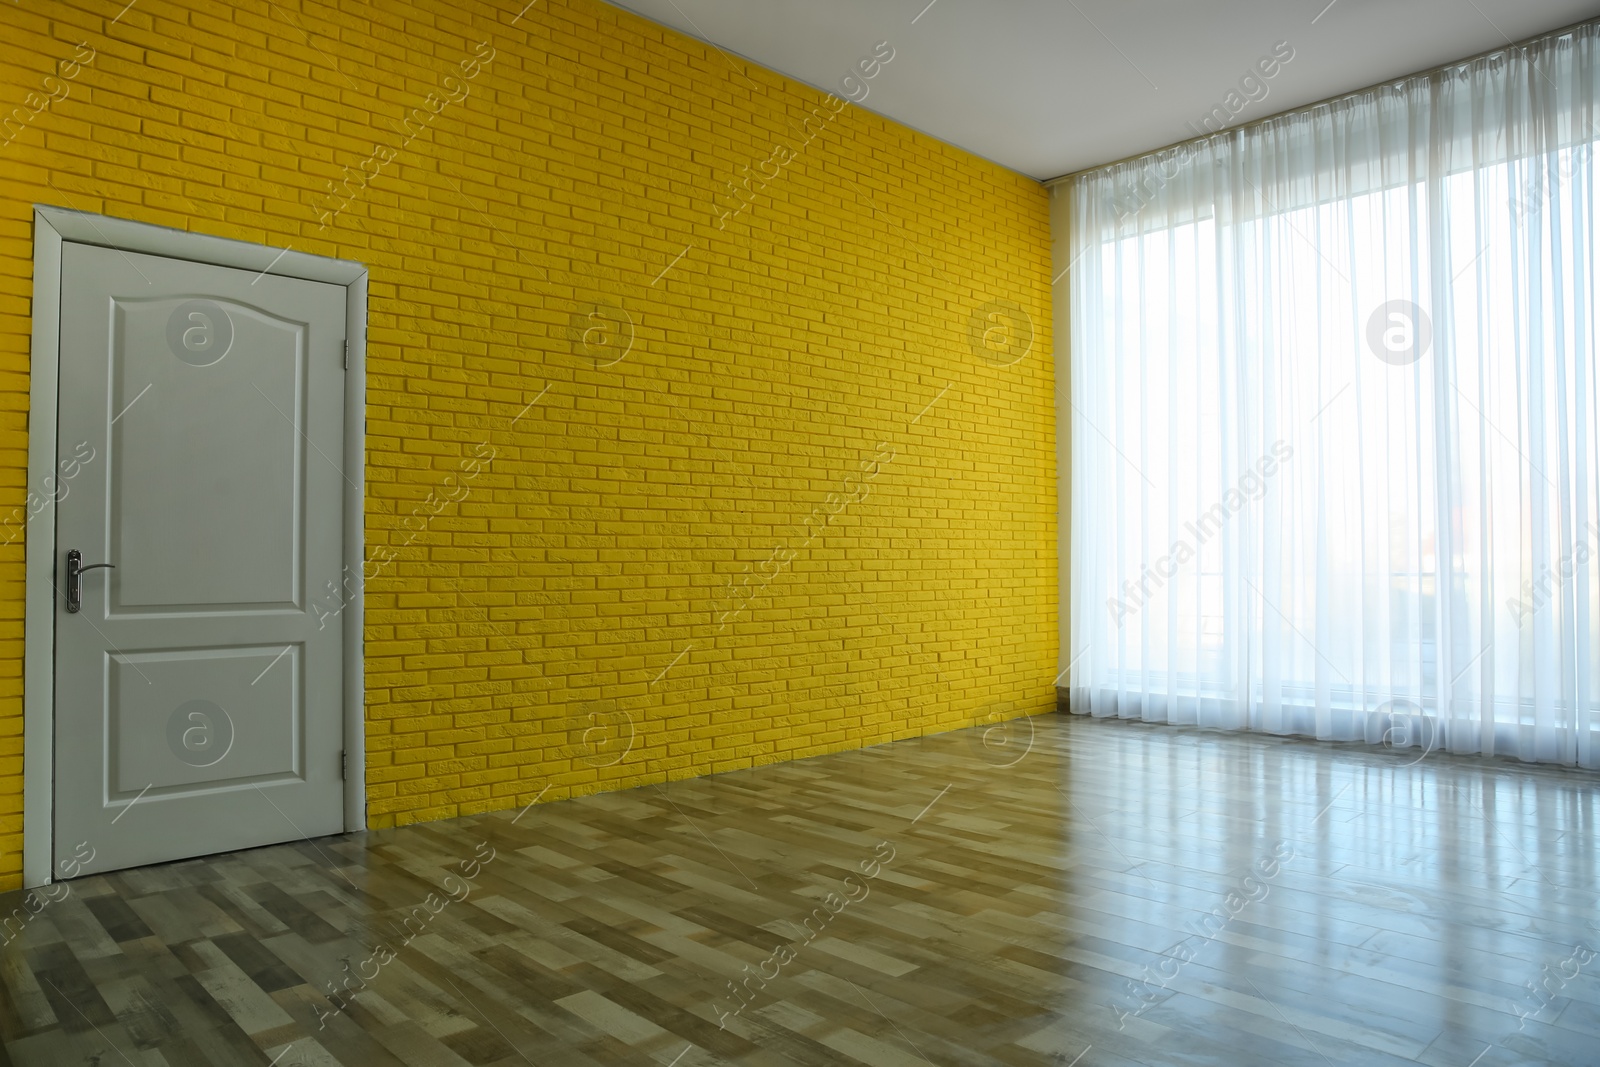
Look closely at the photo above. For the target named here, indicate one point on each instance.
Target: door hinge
(347, 355)
(344, 764)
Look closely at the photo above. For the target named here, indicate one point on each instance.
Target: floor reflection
(1052, 891)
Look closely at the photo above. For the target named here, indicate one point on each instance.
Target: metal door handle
(75, 569)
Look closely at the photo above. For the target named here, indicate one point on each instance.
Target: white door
(198, 703)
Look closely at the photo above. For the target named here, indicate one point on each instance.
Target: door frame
(53, 226)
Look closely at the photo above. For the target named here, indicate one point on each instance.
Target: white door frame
(51, 227)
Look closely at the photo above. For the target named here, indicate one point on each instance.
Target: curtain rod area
(1549, 35)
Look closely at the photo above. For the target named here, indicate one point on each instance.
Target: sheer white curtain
(1333, 419)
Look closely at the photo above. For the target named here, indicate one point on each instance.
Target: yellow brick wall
(811, 506)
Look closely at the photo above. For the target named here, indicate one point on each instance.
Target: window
(1333, 416)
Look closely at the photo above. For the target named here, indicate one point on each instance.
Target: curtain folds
(1333, 419)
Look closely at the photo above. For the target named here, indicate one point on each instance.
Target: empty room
(925, 532)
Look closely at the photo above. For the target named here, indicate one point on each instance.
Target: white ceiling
(1047, 87)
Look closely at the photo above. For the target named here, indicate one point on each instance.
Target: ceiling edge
(801, 81)
(1051, 183)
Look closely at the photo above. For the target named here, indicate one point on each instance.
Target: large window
(1333, 416)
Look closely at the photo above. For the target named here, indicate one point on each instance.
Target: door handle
(75, 569)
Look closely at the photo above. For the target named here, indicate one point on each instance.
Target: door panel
(198, 700)
(240, 416)
(248, 727)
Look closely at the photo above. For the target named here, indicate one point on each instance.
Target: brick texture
(710, 419)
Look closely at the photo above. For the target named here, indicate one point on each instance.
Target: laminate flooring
(1061, 891)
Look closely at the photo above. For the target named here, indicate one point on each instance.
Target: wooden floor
(1109, 893)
